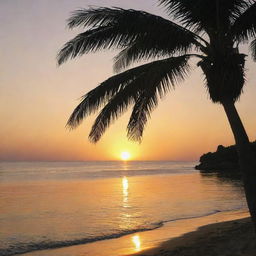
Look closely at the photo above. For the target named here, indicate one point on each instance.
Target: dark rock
(225, 159)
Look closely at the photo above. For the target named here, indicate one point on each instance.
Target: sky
(37, 96)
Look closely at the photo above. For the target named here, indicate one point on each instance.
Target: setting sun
(125, 156)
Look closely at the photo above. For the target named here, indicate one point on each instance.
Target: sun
(125, 155)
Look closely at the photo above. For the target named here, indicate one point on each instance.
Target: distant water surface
(55, 204)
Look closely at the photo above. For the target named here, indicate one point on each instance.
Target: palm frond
(163, 45)
(162, 81)
(157, 76)
(142, 109)
(116, 106)
(112, 28)
(244, 26)
(92, 41)
(205, 15)
(99, 16)
(185, 11)
(238, 7)
(253, 49)
(100, 95)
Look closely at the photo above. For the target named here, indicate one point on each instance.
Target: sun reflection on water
(126, 213)
(125, 191)
(125, 184)
(137, 243)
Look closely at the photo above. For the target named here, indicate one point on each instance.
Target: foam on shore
(140, 241)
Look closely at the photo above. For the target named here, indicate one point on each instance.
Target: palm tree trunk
(247, 159)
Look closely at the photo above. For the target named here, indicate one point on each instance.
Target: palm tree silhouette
(209, 30)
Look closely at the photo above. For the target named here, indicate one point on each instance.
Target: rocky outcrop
(225, 159)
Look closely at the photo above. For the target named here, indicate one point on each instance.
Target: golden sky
(37, 97)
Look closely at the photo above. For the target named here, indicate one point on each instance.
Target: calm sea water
(56, 204)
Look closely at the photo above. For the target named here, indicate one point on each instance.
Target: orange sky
(36, 97)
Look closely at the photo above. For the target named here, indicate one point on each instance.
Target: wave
(29, 247)
(44, 245)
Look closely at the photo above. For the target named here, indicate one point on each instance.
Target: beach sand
(222, 234)
(231, 238)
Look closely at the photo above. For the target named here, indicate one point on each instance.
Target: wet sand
(205, 238)
(236, 238)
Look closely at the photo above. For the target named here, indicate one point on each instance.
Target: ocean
(45, 205)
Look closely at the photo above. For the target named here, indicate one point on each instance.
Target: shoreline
(33, 247)
(236, 238)
(146, 242)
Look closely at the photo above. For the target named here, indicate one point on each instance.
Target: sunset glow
(128, 128)
(125, 156)
(55, 96)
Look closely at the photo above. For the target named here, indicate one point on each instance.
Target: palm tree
(209, 30)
